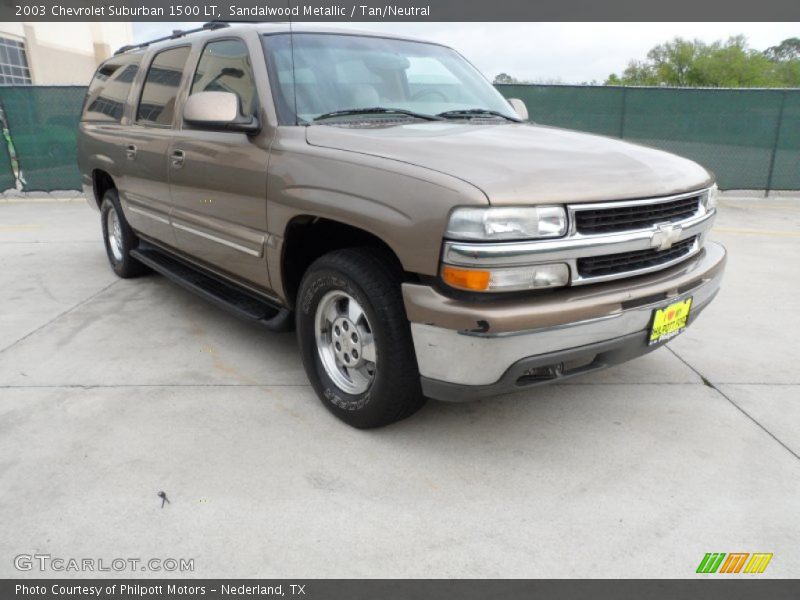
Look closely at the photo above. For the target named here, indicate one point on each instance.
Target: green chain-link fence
(43, 122)
(749, 138)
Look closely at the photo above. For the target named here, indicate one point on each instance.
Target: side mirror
(519, 107)
(218, 110)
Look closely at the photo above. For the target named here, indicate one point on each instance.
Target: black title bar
(398, 589)
(399, 10)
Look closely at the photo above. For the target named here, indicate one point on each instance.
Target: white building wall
(67, 53)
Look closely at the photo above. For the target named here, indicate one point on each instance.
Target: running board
(229, 296)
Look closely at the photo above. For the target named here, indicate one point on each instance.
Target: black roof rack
(210, 26)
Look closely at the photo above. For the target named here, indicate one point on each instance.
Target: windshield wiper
(376, 110)
(475, 112)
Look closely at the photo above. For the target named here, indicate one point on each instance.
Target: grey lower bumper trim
(549, 367)
(466, 357)
(601, 355)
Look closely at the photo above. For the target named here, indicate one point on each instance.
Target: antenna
(294, 77)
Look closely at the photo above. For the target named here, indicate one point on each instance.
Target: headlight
(709, 198)
(507, 223)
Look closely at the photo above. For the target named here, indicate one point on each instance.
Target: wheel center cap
(346, 342)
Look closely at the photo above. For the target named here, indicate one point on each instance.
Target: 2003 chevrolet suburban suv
(378, 194)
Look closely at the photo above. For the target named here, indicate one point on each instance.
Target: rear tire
(119, 238)
(355, 339)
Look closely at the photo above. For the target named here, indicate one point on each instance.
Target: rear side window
(157, 104)
(108, 91)
(225, 67)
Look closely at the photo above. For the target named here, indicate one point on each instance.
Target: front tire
(119, 238)
(355, 340)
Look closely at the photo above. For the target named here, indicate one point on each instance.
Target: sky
(552, 52)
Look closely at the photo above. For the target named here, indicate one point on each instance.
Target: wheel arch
(102, 181)
(308, 237)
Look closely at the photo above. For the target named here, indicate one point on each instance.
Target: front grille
(640, 216)
(612, 264)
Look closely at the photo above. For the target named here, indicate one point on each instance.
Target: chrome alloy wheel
(345, 343)
(114, 232)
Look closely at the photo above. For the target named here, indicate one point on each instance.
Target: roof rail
(210, 26)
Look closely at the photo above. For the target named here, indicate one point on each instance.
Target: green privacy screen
(786, 172)
(749, 138)
(43, 122)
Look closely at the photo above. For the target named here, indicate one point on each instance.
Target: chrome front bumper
(460, 363)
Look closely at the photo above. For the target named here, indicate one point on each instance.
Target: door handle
(176, 158)
(130, 151)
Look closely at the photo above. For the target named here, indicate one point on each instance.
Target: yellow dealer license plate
(670, 321)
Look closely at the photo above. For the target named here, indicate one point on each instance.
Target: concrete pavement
(112, 390)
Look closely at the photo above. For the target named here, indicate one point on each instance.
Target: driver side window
(225, 67)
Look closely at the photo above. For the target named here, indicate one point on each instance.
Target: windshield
(335, 72)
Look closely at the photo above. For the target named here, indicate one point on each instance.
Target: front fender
(404, 205)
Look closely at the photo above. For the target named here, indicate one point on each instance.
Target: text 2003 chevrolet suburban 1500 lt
(381, 196)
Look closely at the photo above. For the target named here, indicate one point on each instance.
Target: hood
(523, 163)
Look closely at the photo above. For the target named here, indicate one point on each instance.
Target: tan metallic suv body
(254, 208)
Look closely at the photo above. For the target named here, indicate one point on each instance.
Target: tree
(504, 78)
(732, 63)
(786, 59)
(639, 73)
(672, 62)
(787, 50)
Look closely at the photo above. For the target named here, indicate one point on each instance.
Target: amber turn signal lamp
(466, 279)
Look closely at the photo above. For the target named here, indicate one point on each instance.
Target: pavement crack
(58, 316)
(708, 383)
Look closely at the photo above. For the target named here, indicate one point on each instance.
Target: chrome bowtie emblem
(665, 235)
